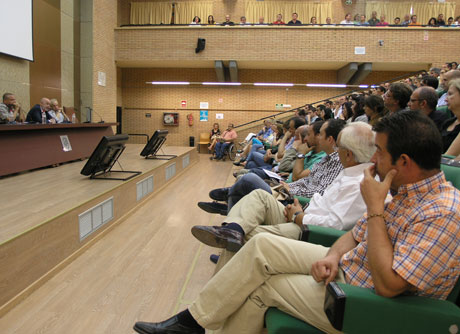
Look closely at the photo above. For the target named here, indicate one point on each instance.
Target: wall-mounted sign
(183, 103)
(204, 105)
(203, 115)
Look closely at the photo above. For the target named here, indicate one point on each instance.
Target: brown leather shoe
(219, 237)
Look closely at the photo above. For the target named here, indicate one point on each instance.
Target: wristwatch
(294, 216)
(300, 156)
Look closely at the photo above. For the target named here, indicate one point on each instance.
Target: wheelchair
(229, 151)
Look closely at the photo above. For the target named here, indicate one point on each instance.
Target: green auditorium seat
(303, 200)
(451, 169)
(357, 310)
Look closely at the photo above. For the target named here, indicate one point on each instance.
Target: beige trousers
(269, 271)
(259, 212)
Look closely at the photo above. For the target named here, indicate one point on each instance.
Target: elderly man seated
(10, 110)
(40, 112)
(406, 246)
(339, 207)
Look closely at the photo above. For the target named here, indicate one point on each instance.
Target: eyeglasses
(413, 100)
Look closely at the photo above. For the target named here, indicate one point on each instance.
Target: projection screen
(16, 28)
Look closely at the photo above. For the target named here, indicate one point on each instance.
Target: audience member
(10, 110)
(362, 20)
(451, 128)
(425, 100)
(380, 90)
(397, 97)
(373, 20)
(413, 21)
(196, 20)
(261, 20)
(273, 271)
(57, 113)
(215, 135)
(440, 21)
(374, 108)
(294, 20)
(40, 112)
(432, 22)
(406, 20)
(358, 110)
(211, 20)
(339, 106)
(347, 20)
(429, 81)
(243, 20)
(313, 20)
(347, 112)
(397, 21)
(450, 21)
(328, 20)
(382, 22)
(227, 22)
(228, 137)
(444, 83)
(279, 19)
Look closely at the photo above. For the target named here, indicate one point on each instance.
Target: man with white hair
(339, 207)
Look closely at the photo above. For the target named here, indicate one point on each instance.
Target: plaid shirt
(423, 224)
(322, 174)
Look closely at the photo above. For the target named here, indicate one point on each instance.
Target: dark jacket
(35, 115)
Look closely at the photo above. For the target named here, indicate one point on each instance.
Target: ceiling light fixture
(221, 83)
(273, 84)
(168, 83)
(327, 85)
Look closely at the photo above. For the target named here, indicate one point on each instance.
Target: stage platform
(50, 215)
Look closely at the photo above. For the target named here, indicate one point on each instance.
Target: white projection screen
(16, 28)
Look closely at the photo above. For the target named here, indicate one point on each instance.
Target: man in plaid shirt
(409, 245)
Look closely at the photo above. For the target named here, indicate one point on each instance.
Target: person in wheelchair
(226, 139)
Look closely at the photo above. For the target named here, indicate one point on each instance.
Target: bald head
(424, 99)
(448, 76)
(45, 104)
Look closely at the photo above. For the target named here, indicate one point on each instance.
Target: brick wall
(287, 44)
(238, 104)
(104, 22)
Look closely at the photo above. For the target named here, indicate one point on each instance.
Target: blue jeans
(244, 186)
(220, 148)
(256, 159)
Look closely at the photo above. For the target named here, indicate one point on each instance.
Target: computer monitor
(154, 144)
(104, 156)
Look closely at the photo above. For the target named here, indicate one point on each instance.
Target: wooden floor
(32, 198)
(147, 268)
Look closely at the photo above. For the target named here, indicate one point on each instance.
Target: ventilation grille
(144, 187)
(92, 219)
(170, 171)
(185, 161)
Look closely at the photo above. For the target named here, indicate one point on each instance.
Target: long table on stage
(29, 146)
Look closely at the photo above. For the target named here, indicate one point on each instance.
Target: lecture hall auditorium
(85, 255)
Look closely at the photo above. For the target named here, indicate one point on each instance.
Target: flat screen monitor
(151, 149)
(105, 155)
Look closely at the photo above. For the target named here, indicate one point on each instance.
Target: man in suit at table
(35, 114)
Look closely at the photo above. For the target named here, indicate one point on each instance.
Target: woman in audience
(451, 128)
(347, 112)
(358, 110)
(215, 134)
(211, 20)
(196, 20)
(313, 20)
(432, 22)
(374, 108)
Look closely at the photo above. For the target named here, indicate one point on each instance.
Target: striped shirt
(423, 224)
(322, 174)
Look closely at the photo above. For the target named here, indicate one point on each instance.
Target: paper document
(272, 175)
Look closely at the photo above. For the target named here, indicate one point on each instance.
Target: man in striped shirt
(409, 245)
